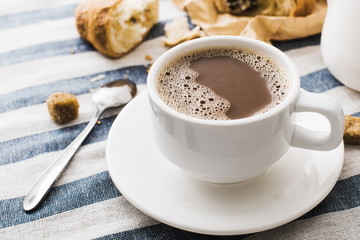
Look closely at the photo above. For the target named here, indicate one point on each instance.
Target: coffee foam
(177, 87)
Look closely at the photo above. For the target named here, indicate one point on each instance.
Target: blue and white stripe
(41, 53)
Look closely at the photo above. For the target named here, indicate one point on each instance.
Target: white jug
(340, 41)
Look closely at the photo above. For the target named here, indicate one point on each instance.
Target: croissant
(114, 27)
(293, 8)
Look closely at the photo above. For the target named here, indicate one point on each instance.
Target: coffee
(222, 84)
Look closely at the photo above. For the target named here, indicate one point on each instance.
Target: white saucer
(292, 187)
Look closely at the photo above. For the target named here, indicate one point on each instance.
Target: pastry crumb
(148, 57)
(97, 78)
(178, 31)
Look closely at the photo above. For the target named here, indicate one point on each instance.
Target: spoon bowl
(112, 94)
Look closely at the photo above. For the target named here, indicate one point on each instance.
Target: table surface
(41, 53)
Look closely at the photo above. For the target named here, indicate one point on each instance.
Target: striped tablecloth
(41, 53)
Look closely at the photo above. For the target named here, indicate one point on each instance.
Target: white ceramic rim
(262, 48)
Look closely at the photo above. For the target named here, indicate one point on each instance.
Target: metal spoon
(112, 94)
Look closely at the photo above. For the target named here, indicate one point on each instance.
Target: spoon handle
(40, 189)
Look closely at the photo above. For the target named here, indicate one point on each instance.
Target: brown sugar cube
(352, 130)
(63, 107)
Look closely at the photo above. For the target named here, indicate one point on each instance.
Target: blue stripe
(45, 50)
(319, 81)
(19, 149)
(297, 43)
(356, 114)
(165, 232)
(24, 18)
(156, 31)
(345, 195)
(67, 47)
(83, 192)
(77, 45)
(76, 86)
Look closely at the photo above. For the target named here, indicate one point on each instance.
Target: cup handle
(319, 140)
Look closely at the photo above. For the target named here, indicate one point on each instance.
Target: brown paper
(204, 14)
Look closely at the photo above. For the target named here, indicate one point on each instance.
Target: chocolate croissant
(293, 8)
(114, 27)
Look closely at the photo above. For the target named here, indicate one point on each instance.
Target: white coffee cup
(227, 151)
